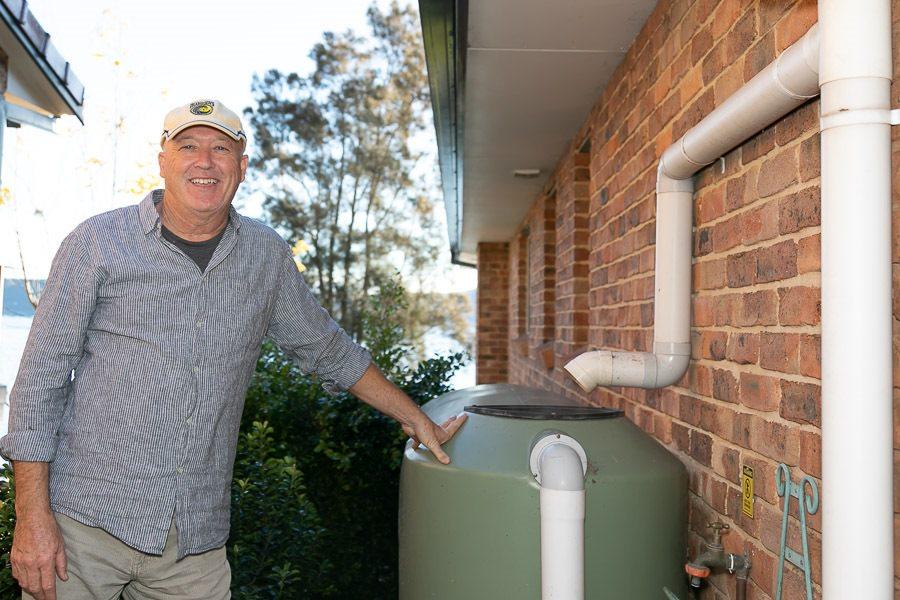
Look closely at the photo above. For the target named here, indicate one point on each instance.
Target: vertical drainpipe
(857, 451)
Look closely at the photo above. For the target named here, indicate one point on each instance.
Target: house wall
(492, 323)
(751, 396)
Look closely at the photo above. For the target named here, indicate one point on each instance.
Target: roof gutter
(444, 36)
(36, 42)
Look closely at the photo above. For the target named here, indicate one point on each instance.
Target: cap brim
(237, 136)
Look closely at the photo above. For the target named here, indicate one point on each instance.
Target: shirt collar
(150, 217)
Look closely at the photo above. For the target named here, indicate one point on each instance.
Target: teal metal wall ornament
(808, 504)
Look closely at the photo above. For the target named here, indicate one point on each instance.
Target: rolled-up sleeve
(55, 346)
(306, 332)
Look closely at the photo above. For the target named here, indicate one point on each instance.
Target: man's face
(203, 168)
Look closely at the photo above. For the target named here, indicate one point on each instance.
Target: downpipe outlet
(630, 369)
(559, 463)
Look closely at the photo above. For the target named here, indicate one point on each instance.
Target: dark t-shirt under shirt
(199, 252)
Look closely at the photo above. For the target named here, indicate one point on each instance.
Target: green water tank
(471, 530)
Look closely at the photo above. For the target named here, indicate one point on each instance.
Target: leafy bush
(9, 589)
(270, 550)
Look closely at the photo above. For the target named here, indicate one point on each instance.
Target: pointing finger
(453, 424)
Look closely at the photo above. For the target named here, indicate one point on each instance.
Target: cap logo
(202, 108)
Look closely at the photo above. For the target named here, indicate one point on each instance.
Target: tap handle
(719, 528)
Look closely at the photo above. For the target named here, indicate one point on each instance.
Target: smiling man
(124, 415)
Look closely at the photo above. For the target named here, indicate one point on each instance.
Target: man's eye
(187, 147)
(222, 149)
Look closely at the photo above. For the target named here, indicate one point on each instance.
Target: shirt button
(196, 369)
(179, 470)
(188, 420)
(199, 324)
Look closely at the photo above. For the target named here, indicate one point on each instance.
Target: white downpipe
(560, 471)
(857, 512)
(788, 82)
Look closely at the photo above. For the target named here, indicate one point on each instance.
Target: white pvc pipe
(562, 523)
(788, 82)
(857, 476)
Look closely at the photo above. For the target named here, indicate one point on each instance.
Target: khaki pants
(100, 567)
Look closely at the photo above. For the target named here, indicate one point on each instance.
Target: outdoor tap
(714, 557)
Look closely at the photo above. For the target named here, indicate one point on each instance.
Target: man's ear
(245, 160)
(161, 157)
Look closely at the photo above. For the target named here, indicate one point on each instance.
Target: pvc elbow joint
(558, 462)
(561, 468)
(630, 369)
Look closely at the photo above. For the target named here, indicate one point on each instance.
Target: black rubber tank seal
(545, 412)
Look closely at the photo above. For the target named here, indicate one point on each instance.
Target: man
(125, 412)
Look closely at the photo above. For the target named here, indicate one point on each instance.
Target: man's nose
(204, 158)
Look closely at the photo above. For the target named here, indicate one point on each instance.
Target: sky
(137, 60)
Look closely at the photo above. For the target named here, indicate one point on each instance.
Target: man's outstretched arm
(379, 393)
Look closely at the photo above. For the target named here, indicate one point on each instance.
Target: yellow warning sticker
(747, 491)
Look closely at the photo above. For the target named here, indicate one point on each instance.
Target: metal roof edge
(39, 50)
(443, 35)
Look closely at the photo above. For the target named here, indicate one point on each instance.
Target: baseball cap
(211, 113)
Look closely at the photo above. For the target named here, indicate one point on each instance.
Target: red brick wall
(572, 233)
(752, 393)
(492, 322)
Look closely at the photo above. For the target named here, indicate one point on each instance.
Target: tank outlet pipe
(789, 81)
(558, 463)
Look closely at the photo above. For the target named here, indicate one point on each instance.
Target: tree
(339, 169)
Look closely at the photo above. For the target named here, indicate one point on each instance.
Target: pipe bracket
(862, 116)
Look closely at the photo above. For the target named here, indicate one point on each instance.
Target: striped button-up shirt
(133, 379)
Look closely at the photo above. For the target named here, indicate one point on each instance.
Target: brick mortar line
(799, 280)
(754, 329)
(806, 279)
(630, 278)
(635, 229)
(719, 439)
(742, 248)
(796, 236)
(759, 201)
(785, 193)
(744, 410)
(804, 427)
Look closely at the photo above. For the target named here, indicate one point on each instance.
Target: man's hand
(381, 394)
(432, 435)
(38, 555)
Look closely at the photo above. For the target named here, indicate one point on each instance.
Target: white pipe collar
(558, 462)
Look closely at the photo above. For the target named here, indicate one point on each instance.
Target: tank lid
(546, 412)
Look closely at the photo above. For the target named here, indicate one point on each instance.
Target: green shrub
(274, 528)
(9, 589)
